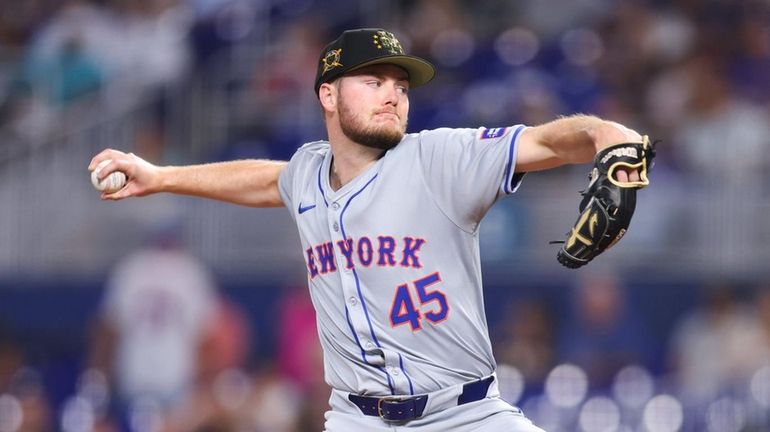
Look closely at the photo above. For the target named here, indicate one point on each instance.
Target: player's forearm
(252, 183)
(577, 139)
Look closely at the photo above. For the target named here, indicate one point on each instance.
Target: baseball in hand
(112, 183)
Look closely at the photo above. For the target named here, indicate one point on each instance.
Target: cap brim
(420, 71)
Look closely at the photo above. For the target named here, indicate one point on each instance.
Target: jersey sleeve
(301, 170)
(467, 170)
(285, 182)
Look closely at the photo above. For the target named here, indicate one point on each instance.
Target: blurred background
(175, 314)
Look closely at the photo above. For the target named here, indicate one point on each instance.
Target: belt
(402, 408)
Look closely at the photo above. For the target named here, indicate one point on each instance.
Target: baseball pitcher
(389, 225)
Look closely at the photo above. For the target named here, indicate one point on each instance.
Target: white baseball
(112, 183)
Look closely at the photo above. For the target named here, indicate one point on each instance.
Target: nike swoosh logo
(306, 208)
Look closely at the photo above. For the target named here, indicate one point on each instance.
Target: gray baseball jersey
(393, 258)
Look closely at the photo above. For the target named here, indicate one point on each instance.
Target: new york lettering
(383, 251)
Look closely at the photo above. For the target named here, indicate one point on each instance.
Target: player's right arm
(252, 183)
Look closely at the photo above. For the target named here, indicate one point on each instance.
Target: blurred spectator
(717, 346)
(552, 18)
(129, 50)
(722, 143)
(69, 74)
(276, 404)
(280, 77)
(220, 386)
(527, 340)
(226, 345)
(299, 357)
(17, 23)
(425, 22)
(762, 303)
(157, 312)
(603, 331)
(298, 353)
(35, 412)
(262, 402)
(24, 404)
(751, 69)
(721, 135)
(11, 359)
(60, 63)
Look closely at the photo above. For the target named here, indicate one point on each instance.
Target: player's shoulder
(438, 135)
(314, 148)
(481, 134)
(444, 133)
(436, 138)
(430, 139)
(310, 152)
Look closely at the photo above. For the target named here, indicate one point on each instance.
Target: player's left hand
(618, 133)
(608, 202)
(625, 175)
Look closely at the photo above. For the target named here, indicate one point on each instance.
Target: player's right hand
(142, 177)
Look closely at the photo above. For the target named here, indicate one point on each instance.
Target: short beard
(381, 138)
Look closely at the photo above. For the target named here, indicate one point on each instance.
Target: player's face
(373, 105)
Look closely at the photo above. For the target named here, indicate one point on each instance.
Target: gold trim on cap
(331, 60)
(383, 39)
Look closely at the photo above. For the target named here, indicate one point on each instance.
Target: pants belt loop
(476, 390)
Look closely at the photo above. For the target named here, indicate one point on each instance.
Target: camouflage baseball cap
(357, 48)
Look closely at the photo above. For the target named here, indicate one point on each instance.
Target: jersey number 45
(432, 302)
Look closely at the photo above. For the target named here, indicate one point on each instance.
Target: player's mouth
(387, 115)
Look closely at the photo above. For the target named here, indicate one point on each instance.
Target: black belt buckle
(382, 415)
(400, 408)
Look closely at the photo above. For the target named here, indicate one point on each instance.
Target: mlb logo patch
(493, 133)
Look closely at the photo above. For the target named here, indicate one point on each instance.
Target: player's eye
(374, 83)
(403, 89)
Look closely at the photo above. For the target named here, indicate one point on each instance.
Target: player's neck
(350, 160)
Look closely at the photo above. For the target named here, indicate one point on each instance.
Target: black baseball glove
(608, 204)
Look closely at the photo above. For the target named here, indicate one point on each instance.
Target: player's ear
(327, 95)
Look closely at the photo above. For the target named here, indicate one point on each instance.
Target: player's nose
(391, 93)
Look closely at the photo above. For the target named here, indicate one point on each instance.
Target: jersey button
(336, 227)
(353, 301)
(335, 205)
(369, 345)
